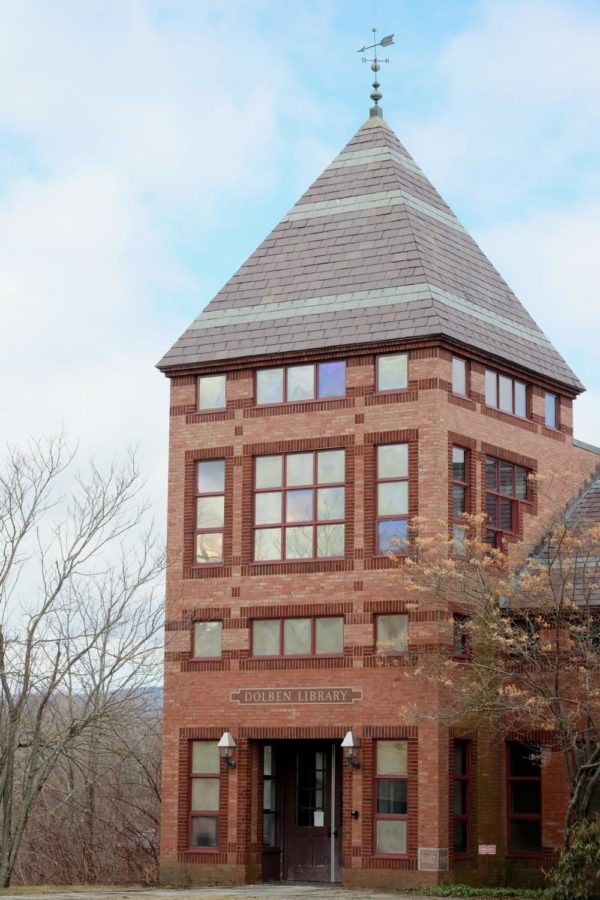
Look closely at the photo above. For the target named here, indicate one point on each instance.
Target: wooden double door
(302, 811)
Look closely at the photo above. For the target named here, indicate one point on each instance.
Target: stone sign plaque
(487, 850)
(310, 695)
(433, 859)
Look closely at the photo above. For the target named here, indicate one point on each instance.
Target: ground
(245, 892)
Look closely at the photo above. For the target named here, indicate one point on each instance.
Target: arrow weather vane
(375, 66)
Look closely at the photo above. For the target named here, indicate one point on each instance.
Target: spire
(376, 112)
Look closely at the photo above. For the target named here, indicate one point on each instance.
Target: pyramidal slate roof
(369, 253)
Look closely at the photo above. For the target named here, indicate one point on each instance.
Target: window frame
(521, 817)
(313, 638)
(513, 498)
(394, 516)
(314, 522)
(395, 390)
(198, 494)
(377, 816)
(465, 485)
(498, 375)
(212, 814)
(393, 651)
(467, 816)
(199, 378)
(465, 363)
(206, 622)
(316, 366)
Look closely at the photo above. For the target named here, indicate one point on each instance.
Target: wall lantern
(227, 749)
(350, 746)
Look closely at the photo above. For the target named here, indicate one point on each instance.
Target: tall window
(550, 406)
(269, 798)
(298, 637)
(287, 384)
(392, 633)
(299, 505)
(524, 799)
(207, 639)
(505, 487)
(211, 391)
(204, 816)
(392, 372)
(459, 376)
(210, 510)
(506, 394)
(461, 796)
(460, 634)
(392, 498)
(460, 497)
(391, 791)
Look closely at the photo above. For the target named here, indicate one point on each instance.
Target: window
(550, 407)
(299, 505)
(211, 391)
(460, 497)
(210, 510)
(524, 799)
(391, 791)
(392, 372)
(392, 634)
(459, 376)
(298, 637)
(461, 796)
(505, 488)
(269, 798)
(305, 382)
(460, 635)
(207, 639)
(506, 394)
(204, 817)
(392, 498)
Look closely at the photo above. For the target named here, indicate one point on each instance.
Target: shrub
(577, 875)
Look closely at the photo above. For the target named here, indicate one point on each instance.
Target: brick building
(365, 365)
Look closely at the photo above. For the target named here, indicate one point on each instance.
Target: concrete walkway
(245, 892)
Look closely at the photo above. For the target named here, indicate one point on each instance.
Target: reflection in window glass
(391, 809)
(207, 639)
(300, 382)
(205, 793)
(329, 635)
(205, 757)
(267, 543)
(491, 388)
(296, 636)
(506, 394)
(550, 410)
(269, 386)
(211, 391)
(330, 503)
(300, 636)
(392, 372)
(392, 536)
(520, 399)
(211, 512)
(392, 498)
(299, 506)
(268, 507)
(330, 540)
(392, 461)
(459, 376)
(204, 831)
(392, 633)
(209, 547)
(332, 379)
(392, 757)
(269, 471)
(266, 637)
(211, 476)
(330, 466)
(299, 469)
(299, 542)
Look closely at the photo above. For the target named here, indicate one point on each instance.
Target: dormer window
(506, 394)
(392, 372)
(290, 384)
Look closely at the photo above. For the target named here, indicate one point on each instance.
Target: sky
(148, 146)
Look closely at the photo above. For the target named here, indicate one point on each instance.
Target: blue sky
(147, 146)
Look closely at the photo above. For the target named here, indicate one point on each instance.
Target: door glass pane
(391, 836)
(391, 536)
(269, 829)
(525, 836)
(300, 382)
(268, 507)
(207, 639)
(392, 498)
(329, 635)
(267, 543)
(211, 393)
(392, 461)
(330, 503)
(205, 757)
(269, 386)
(299, 506)
(204, 831)
(520, 399)
(392, 371)
(392, 633)
(459, 456)
(296, 636)
(205, 793)
(299, 542)
(331, 467)
(491, 391)
(210, 512)
(209, 548)
(332, 379)
(391, 796)
(459, 376)
(269, 471)
(392, 757)
(330, 540)
(269, 794)
(268, 760)
(265, 637)
(211, 476)
(299, 469)
(506, 394)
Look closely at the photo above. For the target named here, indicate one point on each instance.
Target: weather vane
(375, 66)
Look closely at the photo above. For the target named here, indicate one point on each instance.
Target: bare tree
(531, 633)
(80, 616)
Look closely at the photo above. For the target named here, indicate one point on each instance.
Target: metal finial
(375, 110)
